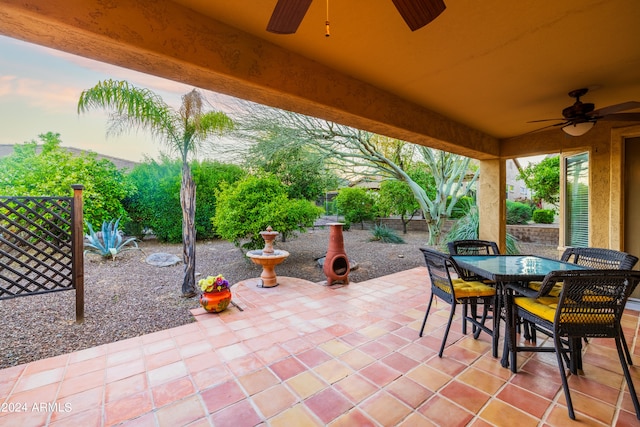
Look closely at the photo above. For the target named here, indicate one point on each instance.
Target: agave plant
(384, 234)
(108, 241)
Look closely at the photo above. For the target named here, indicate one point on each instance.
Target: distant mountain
(7, 149)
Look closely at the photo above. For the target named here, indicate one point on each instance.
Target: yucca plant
(108, 241)
(384, 234)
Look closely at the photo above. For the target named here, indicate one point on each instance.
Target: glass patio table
(514, 270)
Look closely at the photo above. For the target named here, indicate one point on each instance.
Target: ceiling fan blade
(546, 120)
(625, 117)
(287, 16)
(629, 105)
(418, 13)
(545, 127)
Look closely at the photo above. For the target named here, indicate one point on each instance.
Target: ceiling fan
(580, 117)
(288, 14)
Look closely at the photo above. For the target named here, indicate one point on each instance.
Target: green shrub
(543, 216)
(50, 170)
(462, 206)
(249, 206)
(518, 213)
(156, 204)
(356, 205)
(382, 233)
(396, 198)
(533, 205)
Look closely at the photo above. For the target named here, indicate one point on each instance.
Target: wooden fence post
(77, 253)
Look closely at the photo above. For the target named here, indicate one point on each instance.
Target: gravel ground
(127, 297)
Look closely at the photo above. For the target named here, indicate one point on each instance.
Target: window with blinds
(577, 200)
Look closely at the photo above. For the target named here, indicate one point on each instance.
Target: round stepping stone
(162, 260)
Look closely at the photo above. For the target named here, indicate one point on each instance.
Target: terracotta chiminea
(336, 264)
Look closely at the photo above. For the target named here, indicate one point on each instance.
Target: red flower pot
(215, 302)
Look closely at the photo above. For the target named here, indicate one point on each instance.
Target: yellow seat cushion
(545, 308)
(591, 297)
(464, 289)
(601, 318)
(555, 291)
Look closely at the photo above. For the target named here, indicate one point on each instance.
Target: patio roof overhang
(466, 83)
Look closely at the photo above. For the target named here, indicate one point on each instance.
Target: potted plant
(216, 294)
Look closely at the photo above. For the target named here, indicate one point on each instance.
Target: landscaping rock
(162, 260)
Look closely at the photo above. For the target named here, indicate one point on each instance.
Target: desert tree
(544, 179)
(184, 131)
(454, 177)
(358, 153)
(301, 168)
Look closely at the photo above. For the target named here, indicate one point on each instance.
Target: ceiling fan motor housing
(578, 110)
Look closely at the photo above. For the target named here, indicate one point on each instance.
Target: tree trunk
(434, 226)
(188, 203)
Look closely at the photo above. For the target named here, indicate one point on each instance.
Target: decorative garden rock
(162, 260)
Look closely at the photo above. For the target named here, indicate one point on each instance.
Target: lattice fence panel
(35, 245)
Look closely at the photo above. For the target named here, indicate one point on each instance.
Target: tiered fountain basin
(268, 258)
(268, 261)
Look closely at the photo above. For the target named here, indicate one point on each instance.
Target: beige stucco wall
(492, 202)
(604, 144)
(617, 189)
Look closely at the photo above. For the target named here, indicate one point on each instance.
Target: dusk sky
(39, 91)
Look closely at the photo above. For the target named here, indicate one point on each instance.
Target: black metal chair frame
(472, 247)
(439, 266)
(601, 259)
(590, 305)
(475, 247)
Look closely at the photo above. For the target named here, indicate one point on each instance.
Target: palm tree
(183, 131)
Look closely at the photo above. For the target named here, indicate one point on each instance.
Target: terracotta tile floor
(303, 354)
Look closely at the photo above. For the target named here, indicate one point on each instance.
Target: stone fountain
(268, 258)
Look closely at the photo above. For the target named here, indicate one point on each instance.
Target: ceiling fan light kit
(578, 129)
(580, 117)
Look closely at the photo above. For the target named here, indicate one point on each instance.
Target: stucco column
(491, 202)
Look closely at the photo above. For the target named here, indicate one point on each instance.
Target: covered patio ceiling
(467, 82)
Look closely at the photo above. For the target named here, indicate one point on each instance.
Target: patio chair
(474, 247)
(454, 292)
(590, 305)
(595, 258)
(600, 258)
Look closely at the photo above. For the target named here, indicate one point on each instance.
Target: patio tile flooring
(304, 354)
